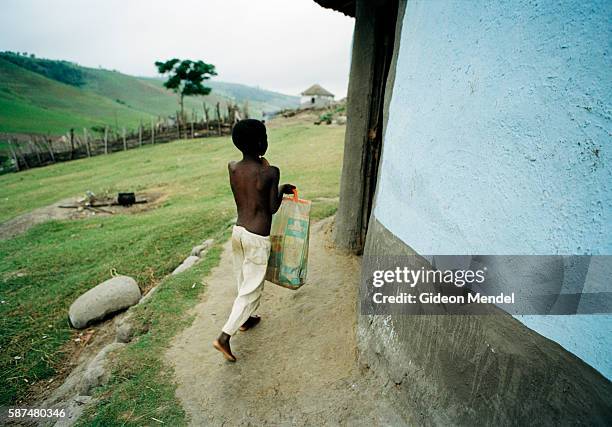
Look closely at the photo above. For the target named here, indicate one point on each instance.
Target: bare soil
(24, 222)
(297, 367)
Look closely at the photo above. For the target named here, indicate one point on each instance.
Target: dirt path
(25, 221)
(298, 367)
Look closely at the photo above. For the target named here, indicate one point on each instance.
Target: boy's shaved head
(249, 136)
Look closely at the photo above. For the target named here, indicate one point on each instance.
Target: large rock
(187, 264)
(108, 297)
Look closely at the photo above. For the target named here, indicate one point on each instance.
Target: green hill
(46, 96)
(30, 102)
(260, 100)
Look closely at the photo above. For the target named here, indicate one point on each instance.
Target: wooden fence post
(23, 157)
(218, 119)
(140, 134)
(78, 144)
(32, 144)
(152, 133)
(105, 140)
(205, 107)
(39, 146)
(14, 155)
(71, 143)
(124, 141)
(49, 143)
(85, 137)
(178, 125)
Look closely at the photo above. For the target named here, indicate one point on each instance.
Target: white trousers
(250, 256)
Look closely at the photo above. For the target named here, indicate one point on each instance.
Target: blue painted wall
(499, 140)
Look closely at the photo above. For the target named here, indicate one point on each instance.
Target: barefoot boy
(255, 186)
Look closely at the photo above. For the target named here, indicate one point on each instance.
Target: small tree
(185, 77)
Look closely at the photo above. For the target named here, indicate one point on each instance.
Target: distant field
(31, 102)
(44, 270)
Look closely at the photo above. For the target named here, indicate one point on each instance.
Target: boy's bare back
(254, 182)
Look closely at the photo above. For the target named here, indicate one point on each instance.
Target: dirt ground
(24, 222)
(297, 367)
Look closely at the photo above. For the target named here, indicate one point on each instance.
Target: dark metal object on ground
(126, 199)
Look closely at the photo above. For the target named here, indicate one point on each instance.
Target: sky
(281, 45)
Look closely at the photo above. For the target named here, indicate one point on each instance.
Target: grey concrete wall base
(477, 370)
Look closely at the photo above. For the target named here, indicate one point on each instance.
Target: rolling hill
(49, 97)
(31, 102)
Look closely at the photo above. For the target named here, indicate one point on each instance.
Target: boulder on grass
(108, 297)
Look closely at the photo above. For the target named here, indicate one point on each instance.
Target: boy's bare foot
(250, 323)
(222, 344)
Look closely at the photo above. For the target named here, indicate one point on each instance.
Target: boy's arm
(276, 192)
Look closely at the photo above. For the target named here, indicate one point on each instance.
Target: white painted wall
(498, 140)
(320, 101)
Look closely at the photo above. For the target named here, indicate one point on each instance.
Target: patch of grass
(44, 270)
(141, 386)
(322, 210)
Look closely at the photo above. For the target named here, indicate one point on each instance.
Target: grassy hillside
(142, 94)
(260, 100)
(44, 96)
(30, 102)
(44, 270)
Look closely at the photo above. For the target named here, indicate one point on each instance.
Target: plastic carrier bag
(289, 235)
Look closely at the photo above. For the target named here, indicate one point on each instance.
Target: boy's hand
(287, 188)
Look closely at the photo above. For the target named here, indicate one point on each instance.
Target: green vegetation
(44, 96)
(185, 77)
(44, 270)
(30, 102)
(328, 116)
(61, 71)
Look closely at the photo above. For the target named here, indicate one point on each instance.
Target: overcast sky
(283, 45)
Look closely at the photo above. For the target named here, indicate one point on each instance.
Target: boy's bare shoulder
(268, 169)
(271, 172)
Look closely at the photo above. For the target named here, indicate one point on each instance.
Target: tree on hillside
(185, 77)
